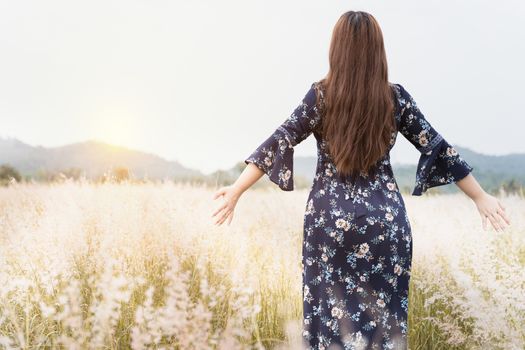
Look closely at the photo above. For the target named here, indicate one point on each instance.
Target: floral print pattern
(357, 239)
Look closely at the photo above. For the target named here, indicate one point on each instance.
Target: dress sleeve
(439, 162)
(275, 155)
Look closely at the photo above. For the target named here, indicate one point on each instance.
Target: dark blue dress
(357, 240)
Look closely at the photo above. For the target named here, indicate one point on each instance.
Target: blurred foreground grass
(120, 266)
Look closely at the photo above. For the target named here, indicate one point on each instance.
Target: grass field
(122, 266)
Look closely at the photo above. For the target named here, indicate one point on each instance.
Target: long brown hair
(358, 101)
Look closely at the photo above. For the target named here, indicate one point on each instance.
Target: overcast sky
(205, 82)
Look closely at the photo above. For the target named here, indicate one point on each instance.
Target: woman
(357, 243)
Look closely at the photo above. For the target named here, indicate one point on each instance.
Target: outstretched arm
(489, 207)
(274, 156)
(232, 193)
(441, 164)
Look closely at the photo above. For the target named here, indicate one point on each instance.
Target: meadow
(138, 266)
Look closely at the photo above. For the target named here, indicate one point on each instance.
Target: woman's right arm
(489, 207)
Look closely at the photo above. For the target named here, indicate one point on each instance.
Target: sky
(206, 82)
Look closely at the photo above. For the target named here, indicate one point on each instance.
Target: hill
(93, 158)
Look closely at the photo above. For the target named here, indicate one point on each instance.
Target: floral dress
(357, 240)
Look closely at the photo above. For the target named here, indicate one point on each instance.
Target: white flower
(337, 312)
(342, 223)
(451, 151)
(381, 302)
(391, 186)
(389, 216)
(363, 248)
(423, 141)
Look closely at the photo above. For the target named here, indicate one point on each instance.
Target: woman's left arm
(489, 207)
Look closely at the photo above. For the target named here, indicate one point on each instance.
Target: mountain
(92, 157)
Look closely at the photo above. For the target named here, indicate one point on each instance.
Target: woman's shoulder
(317, 90)
(401, 94)
(398, 88)
(318, 87)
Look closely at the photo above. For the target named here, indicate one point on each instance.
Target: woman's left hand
(491, 209)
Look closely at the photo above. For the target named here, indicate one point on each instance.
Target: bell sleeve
(439, 162)
(274, 155)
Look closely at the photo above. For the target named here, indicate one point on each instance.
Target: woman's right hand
(231, 195)
(491, 209)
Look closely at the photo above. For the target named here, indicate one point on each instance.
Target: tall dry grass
(120, 266)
